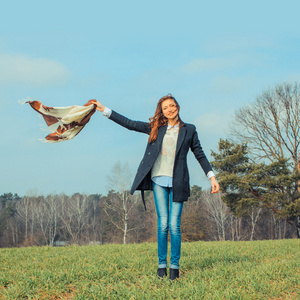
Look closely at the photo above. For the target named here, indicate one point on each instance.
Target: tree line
(258, 168)
(54, 220)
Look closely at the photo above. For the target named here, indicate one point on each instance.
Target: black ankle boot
(174, 273)
(161, 272)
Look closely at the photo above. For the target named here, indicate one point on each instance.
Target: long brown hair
(159, 119)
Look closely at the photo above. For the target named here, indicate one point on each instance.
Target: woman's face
(169, 109)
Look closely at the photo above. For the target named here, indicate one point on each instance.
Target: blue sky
(214, 57)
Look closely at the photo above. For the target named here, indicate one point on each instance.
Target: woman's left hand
(214, 185)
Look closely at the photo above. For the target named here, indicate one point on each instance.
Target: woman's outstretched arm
(138, 126)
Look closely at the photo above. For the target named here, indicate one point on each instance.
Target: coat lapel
(161, 133)
(181, 136)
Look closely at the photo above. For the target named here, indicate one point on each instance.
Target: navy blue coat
(187, 139)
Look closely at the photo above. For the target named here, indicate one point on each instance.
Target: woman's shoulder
(189, 126)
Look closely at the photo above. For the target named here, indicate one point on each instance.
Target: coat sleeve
(138, 126)
(199, 153)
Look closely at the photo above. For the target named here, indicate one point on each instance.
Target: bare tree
(254, 213)
(75, 215)
(119, 203)
(271, 125)
(53, 204)
(25, 214)
(41, 214)
(23, 210)
(47, 213)
(218, 212)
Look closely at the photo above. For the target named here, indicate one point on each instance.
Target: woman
(164, 170)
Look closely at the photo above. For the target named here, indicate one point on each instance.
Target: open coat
(187, 139)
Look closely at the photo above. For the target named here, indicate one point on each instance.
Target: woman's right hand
(100, 107)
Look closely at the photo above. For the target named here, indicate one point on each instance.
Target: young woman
(164, 170)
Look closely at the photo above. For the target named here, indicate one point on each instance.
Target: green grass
(209, 270)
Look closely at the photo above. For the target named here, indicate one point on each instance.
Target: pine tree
(248, 186)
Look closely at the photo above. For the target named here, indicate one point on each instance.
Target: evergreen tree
(248, 185)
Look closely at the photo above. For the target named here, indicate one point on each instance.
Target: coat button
(148, 153)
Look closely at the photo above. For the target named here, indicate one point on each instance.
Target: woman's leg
(175, 231)
(161, 198)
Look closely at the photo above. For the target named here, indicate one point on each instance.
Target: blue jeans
(168, 218)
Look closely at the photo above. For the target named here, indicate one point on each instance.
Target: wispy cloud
(32, 71)
(213, 124)
(230, 85)
(212, 64)
(237, 43)
(227, 53)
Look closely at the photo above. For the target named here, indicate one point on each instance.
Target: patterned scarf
(64, 122)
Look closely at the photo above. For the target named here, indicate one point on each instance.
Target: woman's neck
(173, 122)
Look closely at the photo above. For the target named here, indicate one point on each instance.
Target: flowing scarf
(64, 122)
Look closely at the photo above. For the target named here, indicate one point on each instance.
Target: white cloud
(32, 71)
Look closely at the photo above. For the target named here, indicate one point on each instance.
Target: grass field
(209, 270)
